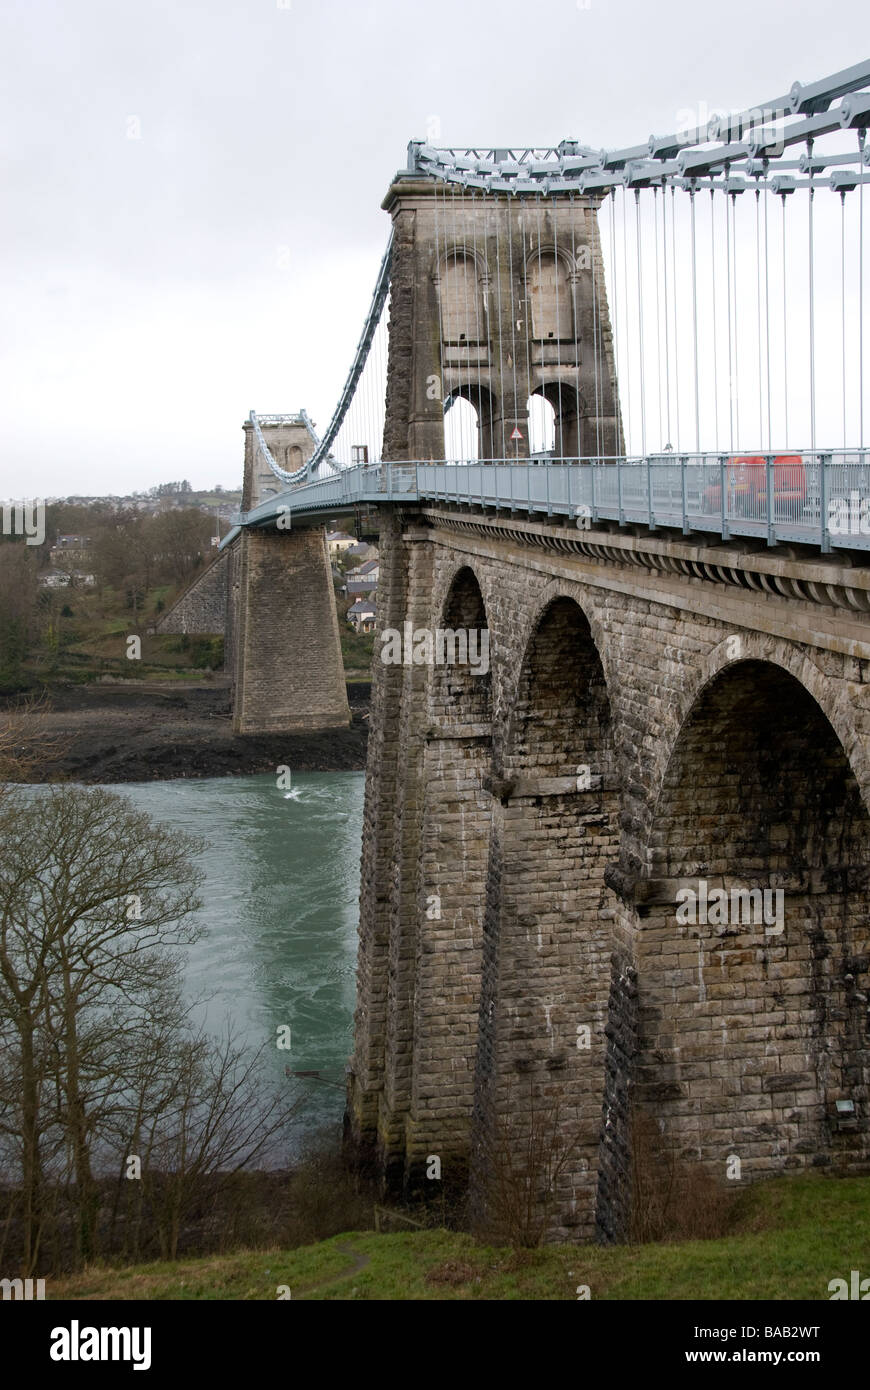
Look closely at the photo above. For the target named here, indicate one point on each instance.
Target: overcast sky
(191, 214)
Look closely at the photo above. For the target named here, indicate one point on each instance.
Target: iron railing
(820, 499)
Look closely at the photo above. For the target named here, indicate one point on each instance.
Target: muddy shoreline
(151, 731)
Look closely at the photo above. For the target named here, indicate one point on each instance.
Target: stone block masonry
(202, 608)
(643, 726)
(284, 640)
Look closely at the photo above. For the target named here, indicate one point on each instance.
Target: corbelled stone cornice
(821, 580)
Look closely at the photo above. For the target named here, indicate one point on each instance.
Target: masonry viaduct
(724, 717)
(661, 710)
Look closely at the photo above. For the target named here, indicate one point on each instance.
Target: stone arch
(461, 690)
(507, 696)
(522, 745)
(549, 916)
(759, 647)
(754, 928)
(454, 845)
(461, 280)
(293, 456)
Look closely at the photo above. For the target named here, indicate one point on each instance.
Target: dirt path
(359, 1262)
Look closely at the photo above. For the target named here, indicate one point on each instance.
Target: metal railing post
(824, 530)
(619, 491)
(723, 511)
(649, 496)
(771, 530)
(684, 495)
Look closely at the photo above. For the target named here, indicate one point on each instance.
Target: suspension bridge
(608, 407)
(734, 260)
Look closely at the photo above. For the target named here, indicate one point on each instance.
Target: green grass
(356, 649)
(792, 1237)
(93, 643)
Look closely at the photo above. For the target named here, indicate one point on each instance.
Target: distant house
(360, 586)
(361, 550)
(338, 542)
(362, 615)
(69, 550)
(54, 579)
(369, 571)
(73, 542)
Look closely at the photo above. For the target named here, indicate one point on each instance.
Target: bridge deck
(825, 504)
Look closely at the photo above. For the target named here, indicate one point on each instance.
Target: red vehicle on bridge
(746, 486)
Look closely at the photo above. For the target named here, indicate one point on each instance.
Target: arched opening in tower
(542, 424)
(468, 417)
(556, 404)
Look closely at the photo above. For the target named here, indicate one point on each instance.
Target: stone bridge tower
(282, 637)
(291, 441)
(496, 299)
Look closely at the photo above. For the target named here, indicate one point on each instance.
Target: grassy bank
(87, 641)
(791, 1237)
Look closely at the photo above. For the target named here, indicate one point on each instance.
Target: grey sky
(154, 289)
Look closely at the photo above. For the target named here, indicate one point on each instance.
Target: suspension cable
(641, 353)
(667, 315)
(615, 322)
(715, 330)
(695, 327)
(784, 328)
(843, 300)
(861, 138)
(676, 337)
(812, 288)
(767, 312)
(758, 303)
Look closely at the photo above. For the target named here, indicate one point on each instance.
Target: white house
(338, 542)
(362, 615)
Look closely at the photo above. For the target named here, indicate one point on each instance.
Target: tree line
(128, 552)
(118, 1114)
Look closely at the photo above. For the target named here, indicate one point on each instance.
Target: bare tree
(215, 1113)
(25, 746)
(94, 896)
(522, 1156)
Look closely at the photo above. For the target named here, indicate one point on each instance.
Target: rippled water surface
(280, 909)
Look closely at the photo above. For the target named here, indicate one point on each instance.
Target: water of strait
(280, 912)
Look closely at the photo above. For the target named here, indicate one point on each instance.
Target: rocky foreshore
(148, 731)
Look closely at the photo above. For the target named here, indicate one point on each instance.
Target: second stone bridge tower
(497, 300)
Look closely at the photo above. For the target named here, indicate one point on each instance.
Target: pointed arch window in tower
(550, 298)
(463, 312)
